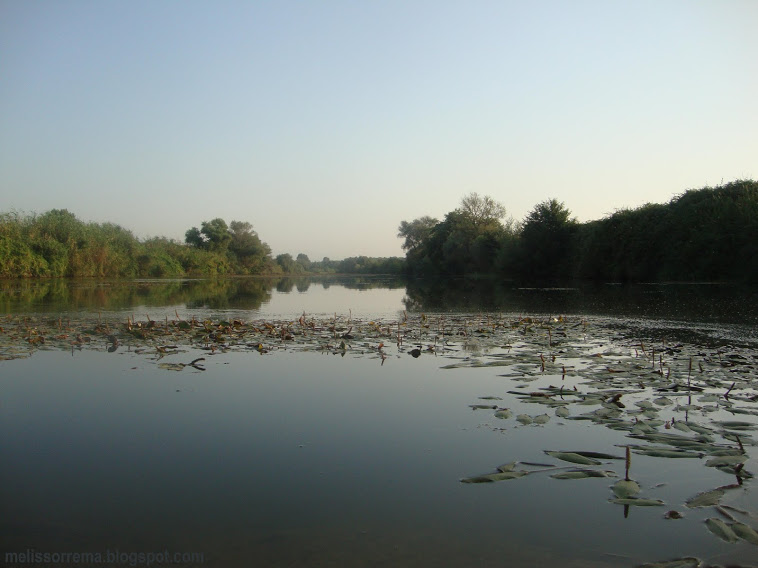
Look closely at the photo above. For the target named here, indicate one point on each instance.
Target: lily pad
(625, 488)
(492, 477)
(705, 499)
(687, 562)
(583, 474)
(573, 457)
(745, 532)
(638, 502)
(726, 460)
(721, 529)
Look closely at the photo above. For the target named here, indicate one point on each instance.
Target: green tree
(466, 241)
(482, 211)
(545, 242)
(247, 247)
(416, 232)
(304, 261)
(286, 262)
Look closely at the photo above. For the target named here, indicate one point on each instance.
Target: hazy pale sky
(327, 123)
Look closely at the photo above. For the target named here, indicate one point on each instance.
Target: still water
(326, 454)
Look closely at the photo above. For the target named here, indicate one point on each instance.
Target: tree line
(57, 244)
(709, 234)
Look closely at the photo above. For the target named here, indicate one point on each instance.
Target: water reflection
(65, 295)
(725, 303)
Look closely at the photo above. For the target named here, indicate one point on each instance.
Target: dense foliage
(57, 244)
(708, 234)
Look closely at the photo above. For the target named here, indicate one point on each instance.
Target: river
(371, 421)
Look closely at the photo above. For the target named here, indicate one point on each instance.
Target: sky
(326, 123)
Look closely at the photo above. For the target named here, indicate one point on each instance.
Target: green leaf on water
(524, 419)
(638, 502)
(726, 460)
(625, 488)
(562, 412)
(745, 532)
(542, 419)
(662, 453)
(492, 477)
(583, 474)
(573, 457)
(721, 529)
(503, 413)
(705, 499)
(737, 425)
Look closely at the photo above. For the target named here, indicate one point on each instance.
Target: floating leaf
(687, 562)
(745, 532)
(562, 412)
(583, 474)
(573, 457)
(721, 529)
(597, 455)
(637, 502)
(503, 413)
(705, 499)
(492, 477)
(736, 425)
(726, 460)
(662, 453)
(625, 488)
(542, 419)
(524, 419)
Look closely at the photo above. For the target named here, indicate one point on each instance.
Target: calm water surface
(318, 459)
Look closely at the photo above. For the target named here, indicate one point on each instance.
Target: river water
(340, 433)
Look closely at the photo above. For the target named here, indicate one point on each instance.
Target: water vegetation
(708, 234)
(665, 397)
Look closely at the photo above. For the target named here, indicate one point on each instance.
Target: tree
(416, 232)
(466, 241)
(245, 244)
(213, 235)
(286, 262)
(545, 241)
(481, 211)
(304, 261)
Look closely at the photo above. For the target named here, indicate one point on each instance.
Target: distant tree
(304, 261)
(481, 211)
(416, 232)
(466, 241)
(194, 237)
(217, 233)
(286, 262)
(545, 241)
(248, 248)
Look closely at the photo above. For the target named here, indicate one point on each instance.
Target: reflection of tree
(721, 303)
(285, 285)
(61, 295)
(239, 293)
